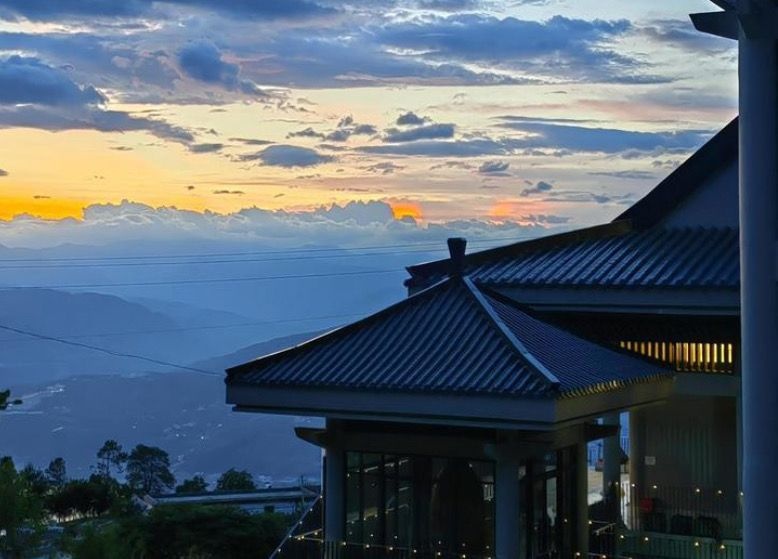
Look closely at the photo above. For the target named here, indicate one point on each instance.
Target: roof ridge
(524, 353)
(340, 330)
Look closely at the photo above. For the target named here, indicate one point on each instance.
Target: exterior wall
(691, 442)
(715, 204)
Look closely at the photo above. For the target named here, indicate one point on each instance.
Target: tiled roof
(451, 338)
(669, 258)
(656, 258)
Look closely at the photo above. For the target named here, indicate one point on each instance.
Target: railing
(684, 511)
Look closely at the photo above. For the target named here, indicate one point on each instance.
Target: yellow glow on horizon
(47, 208)
(402, 210)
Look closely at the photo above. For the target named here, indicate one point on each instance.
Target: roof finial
(456, 250)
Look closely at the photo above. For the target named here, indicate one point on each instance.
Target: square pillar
(582, 499)
(334, 494)
(507, 508)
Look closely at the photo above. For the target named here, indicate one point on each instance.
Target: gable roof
(450, 339)
(684, 180)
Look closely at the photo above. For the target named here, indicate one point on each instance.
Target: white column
(759, 305)
(334, 494)
(582, 499)
(507, 508)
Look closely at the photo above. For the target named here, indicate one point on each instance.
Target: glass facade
(420, 502)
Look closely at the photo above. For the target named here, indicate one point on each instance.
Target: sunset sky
(541, 112)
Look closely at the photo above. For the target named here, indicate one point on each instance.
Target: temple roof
(452, 338)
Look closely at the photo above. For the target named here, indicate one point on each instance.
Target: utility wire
(202, 327)
(107, 351)
(200, 281)
(228, 261)
(256, 253)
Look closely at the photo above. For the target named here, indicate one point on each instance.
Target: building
(457, 419)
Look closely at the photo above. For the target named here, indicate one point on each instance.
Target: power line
(255, 253)
(198, 262)
(107, 351)
(200, 281)
(202, 327)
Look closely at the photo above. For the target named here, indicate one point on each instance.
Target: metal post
(582, 499)
(334, 494)
(611, 475)
(758, 268)
(507, 508)
(611, 455)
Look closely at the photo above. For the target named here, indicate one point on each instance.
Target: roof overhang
(719, 302)
(489, 411)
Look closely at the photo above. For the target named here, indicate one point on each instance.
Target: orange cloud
(401, 210)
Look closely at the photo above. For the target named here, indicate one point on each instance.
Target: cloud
(3, 173)
(384, 168)
(540, 187)
(682, 34)
(288, 156)
(410, 119)
(545, 219)
(632, 175)
(205, 148)
(28, 80)
(36, 95)
(606, 140)
(353, 224)
(494, 167)
(230, 192)
(581, 49)
(46, 10)
(305, 133)
(425, 132)
(202, 61)
(251, 141)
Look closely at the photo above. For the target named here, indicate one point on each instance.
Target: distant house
(457, 420)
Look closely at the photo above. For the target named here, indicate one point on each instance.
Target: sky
(540, 114)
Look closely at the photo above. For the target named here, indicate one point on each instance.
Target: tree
(5, 400)
(236, 480)
(111, 455)
(148, 469)
(208, 532)
(195, 485)
(56, 473)
(36, 480)
(91, 497)
(21, 513)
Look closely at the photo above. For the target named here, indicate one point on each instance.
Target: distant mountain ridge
(183, 412)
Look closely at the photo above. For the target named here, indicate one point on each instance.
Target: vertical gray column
(334, 494)
(507, 508)
(582, 499)
(637, 468)
(759, 308)
(611, 451)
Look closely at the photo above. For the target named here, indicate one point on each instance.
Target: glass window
(425, 503)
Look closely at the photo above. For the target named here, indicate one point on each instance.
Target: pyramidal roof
(450, 338)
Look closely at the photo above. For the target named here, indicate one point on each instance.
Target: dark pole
(754, 23)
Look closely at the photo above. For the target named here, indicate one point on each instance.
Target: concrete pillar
(637, 468)
(759, 269)
(611, 453)
(582, 499)
(507, 508)
(334, 494)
